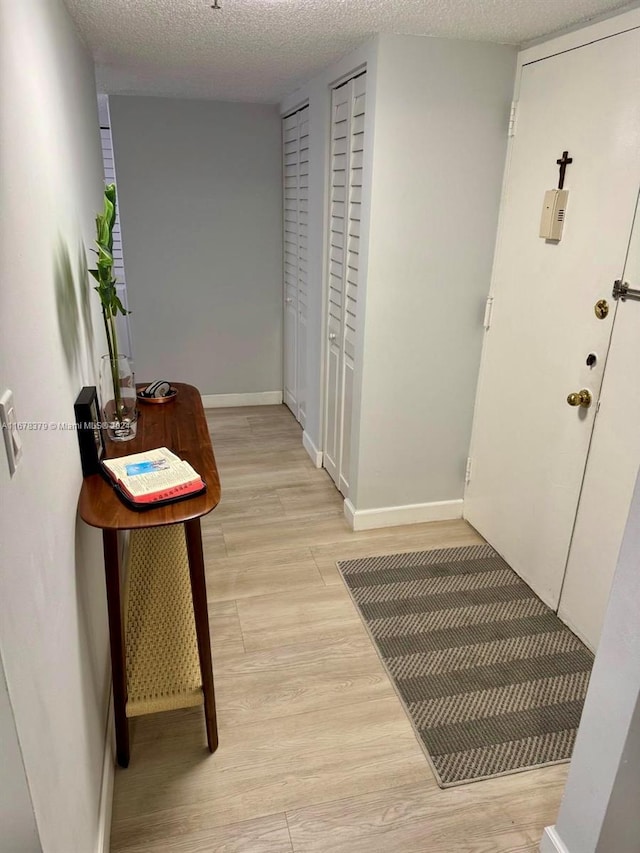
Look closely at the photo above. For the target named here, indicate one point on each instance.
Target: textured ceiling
(259, 50)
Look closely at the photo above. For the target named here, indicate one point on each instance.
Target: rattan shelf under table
(163, 669)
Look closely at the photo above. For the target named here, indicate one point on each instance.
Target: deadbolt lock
(601, 308)
(580, 398)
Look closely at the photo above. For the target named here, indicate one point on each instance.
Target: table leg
(199, 595)
(117, 643)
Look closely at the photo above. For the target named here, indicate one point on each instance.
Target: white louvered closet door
(303, 267)
(123, 328)
(347, 147)
(295, 136)
(290, 259)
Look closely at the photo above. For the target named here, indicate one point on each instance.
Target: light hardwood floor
(316, 752)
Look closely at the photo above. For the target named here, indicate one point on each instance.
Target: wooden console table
(182, 427)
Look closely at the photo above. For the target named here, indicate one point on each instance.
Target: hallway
(316, 752)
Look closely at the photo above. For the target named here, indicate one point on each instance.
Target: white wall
(599, 810)
(53, 636)
(441, 116)
(18, 831)
(201, 210)
(621, 826)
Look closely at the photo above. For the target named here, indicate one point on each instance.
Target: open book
(153, 478)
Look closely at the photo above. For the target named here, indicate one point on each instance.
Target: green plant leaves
(103, 274)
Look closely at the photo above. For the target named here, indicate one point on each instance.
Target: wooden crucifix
(563, 163)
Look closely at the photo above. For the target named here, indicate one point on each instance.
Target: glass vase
(118, 397)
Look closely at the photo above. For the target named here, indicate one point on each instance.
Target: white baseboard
(551, 842)
(393, 516)
(106, 792)
(312, 450)
(257, 398)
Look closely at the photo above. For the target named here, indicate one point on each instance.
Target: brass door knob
(580, 398)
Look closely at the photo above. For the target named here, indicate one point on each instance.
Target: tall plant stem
(112, 343)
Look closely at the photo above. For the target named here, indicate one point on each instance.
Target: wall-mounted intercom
(553, 214)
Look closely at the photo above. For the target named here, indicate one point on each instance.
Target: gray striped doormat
(492, 680)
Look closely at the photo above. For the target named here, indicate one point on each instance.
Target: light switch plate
(9, 422)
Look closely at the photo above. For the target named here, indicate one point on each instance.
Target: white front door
(614, 458)
(529, 448)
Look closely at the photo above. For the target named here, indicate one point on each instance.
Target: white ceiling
(260, 50)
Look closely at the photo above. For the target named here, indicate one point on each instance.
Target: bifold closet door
(290, 259)
(303, 276)
(345, 192)
(295, 138)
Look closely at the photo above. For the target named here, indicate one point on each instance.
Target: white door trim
(108, 780)
(612, 26)
(551, 842)
(315, 455)
(256, 398)
(394, 516)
